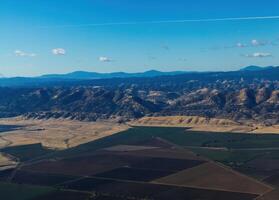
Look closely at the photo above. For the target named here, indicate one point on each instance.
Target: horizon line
(186, 71)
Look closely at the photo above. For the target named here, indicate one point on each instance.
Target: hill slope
(239, 95)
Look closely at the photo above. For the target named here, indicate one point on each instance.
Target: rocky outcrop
(224, 96)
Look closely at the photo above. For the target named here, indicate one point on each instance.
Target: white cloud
(59, 51)
(104, 59)
(20, 53)
(259, 55)
(241, 45)
(257, 43)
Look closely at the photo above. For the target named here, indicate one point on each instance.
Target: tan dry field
(6, 162)
(58, 134)
(196, 123)
(217, 177)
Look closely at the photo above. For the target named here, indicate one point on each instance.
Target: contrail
(165, 22)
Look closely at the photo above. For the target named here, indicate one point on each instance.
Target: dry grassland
(206, 124)
(6, 162)
(58, 134)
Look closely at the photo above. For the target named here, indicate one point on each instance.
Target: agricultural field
(37, 178)
(65, 195)
(270, 195)
(22, 192)
(213, 176)
(27, 152)
(151, 163)
(140, 190)
(54, 134)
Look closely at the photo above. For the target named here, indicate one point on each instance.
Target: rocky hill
(233, 95)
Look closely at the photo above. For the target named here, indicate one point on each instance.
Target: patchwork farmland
(145, 163)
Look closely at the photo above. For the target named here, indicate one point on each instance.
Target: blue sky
(59, 36)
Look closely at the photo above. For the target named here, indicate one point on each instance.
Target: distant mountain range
(85, 75)
(248, 94)
(83, 78)
(94, 75)
(256, 68)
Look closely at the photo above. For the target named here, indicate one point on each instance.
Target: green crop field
(9, 191)
(236, 150)
(27, 152)
(182, 137)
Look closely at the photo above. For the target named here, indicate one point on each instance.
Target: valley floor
(106, 160)
(196, 123)
(148, 163)
(54, 134)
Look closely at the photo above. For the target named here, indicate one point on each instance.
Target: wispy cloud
(166, 21)
(257, 43)
(21, 53)
(58, 52)
(241, 45)
(105, 59)
(258, 55)
(252, 43)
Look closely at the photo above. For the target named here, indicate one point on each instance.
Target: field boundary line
(243, 175)
(200, 187)
(166, 184)
(257, 198)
